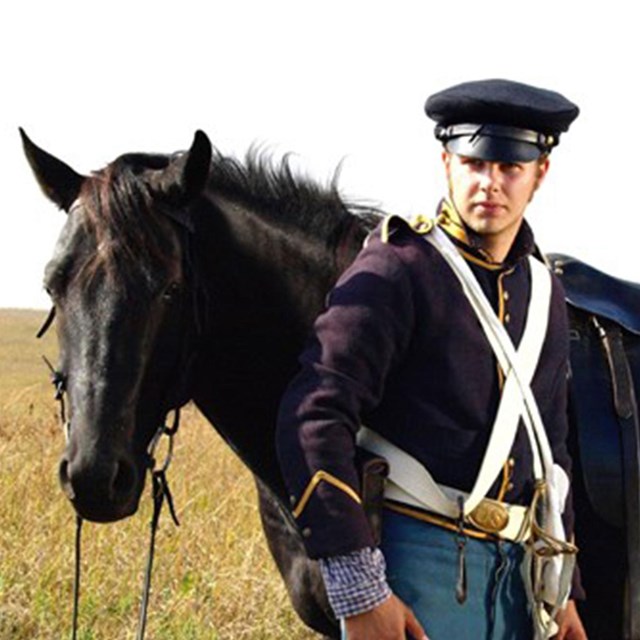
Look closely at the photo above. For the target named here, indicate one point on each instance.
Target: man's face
(491, 197)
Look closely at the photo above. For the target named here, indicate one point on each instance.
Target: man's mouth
(489, 205)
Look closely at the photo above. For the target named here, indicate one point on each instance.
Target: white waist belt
(518, 526)
(410, 483)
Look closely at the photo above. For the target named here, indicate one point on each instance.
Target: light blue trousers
(422, 570)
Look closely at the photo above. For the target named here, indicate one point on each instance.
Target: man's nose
(490, 176)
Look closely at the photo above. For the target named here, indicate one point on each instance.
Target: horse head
(119, 282)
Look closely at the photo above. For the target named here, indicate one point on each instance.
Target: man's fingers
(413, 626)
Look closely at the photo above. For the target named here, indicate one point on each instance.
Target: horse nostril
(125, 479)
(65, 480)
(111, 480)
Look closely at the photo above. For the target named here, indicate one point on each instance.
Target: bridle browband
(47, 323)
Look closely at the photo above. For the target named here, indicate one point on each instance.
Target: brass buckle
(489, 516)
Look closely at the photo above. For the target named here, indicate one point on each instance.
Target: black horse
(189, 277)
(193, 276)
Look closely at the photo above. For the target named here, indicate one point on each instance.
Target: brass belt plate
(489, 516)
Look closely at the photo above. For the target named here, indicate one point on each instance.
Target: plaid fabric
(355, 582)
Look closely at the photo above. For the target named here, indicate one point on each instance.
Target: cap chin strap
(544, 142)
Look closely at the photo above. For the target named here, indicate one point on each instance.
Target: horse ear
(193, 167)
(59, 182)
(196, 169)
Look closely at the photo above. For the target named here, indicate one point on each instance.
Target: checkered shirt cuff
(355, 582)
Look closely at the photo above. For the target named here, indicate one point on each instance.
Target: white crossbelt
(547, 578)
(409, 476)
(518, 367)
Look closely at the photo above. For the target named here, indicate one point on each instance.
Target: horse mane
(120, 207)
(289, 200)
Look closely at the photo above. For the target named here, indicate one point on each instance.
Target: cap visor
(493, 149)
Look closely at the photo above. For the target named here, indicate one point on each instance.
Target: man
(401, 349)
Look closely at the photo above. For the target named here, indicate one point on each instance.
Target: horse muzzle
(103, 486)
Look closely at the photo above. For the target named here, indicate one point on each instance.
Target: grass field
(213, 576)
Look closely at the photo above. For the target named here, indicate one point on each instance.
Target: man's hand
(569, 623)
(391, 620)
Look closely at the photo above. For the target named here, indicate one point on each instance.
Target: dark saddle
(604, 315)
(597, 293)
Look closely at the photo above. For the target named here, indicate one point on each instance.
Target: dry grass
(213, 575)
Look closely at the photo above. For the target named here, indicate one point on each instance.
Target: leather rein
(160, 491)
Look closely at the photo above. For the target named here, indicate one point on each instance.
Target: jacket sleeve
(356, 342)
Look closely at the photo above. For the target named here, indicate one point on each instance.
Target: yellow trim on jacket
(318, 477)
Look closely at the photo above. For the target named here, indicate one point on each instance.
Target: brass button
(306, 532)
(507, 318)
(505, 296)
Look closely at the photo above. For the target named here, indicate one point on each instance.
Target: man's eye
(510, 167)
(474, 163)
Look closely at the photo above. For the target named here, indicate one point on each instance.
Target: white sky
(331, 81)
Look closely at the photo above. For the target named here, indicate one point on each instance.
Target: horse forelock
(129, 235)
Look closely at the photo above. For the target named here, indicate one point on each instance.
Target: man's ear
(543, 168)
(446, 160)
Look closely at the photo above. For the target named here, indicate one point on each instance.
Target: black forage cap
(500, 120)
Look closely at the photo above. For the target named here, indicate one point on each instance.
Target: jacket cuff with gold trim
(330, 517)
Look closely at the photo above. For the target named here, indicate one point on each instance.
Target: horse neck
(268, 270)
(265, 285)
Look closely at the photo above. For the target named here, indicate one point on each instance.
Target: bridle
(160, 491)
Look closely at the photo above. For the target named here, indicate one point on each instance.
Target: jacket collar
(470, 244)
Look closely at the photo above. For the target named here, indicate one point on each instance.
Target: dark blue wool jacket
(400, 349)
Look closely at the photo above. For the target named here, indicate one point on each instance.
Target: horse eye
(171, 292)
